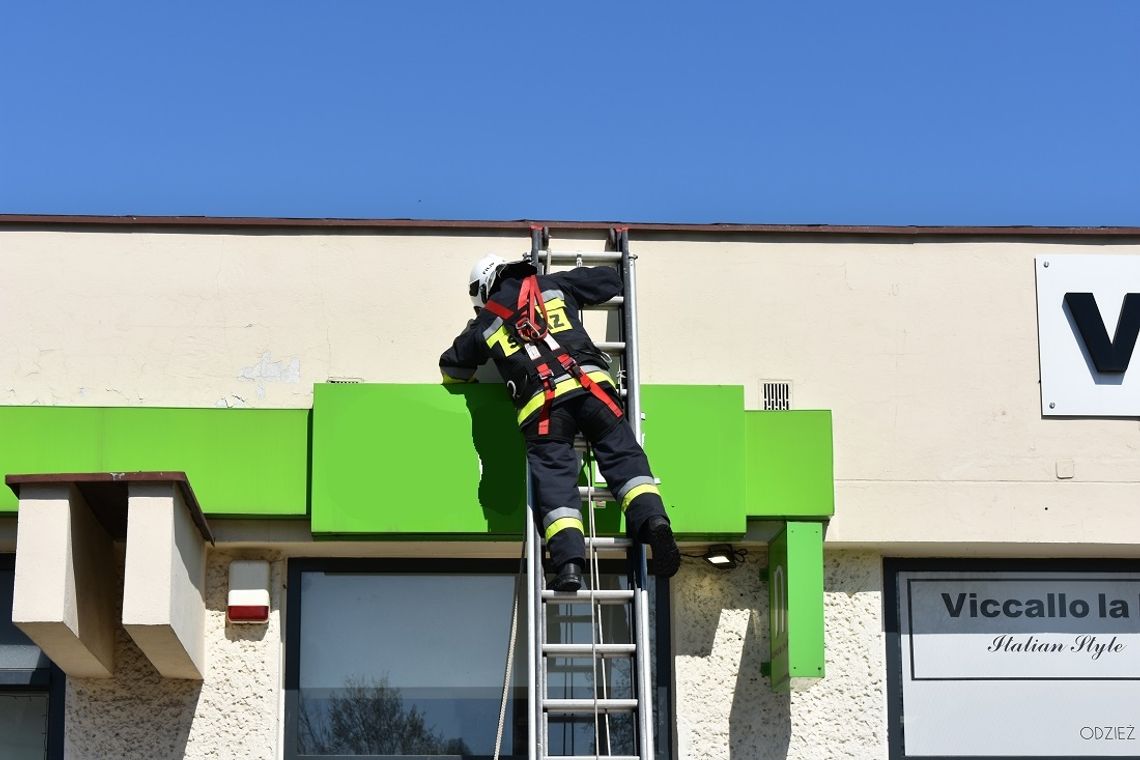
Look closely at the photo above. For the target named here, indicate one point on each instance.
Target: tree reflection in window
(368, 717)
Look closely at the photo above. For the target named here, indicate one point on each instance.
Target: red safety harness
(530, 326)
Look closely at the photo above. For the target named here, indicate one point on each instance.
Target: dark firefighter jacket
(486, 336)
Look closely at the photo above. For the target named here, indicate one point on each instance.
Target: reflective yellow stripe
(449, 380)
(567, 385)
(563, 524)
(635, 492)
(556, 319)
(504, 339)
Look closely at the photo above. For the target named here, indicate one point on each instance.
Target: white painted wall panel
(925, 349)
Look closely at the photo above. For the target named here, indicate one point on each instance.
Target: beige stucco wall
(925, 350)
(927, 354)
(724, 707)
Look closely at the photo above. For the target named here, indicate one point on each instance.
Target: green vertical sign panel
(795, 605)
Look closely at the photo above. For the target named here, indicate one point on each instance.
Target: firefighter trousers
(554, 467)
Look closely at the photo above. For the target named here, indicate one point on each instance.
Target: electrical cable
(510, 654)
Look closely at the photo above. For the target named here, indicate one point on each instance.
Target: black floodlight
(722, 556)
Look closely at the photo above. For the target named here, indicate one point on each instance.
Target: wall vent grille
(777, 394)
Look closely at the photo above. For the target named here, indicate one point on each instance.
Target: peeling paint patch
(268, 371)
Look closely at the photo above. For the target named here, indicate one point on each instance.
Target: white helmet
(482, 279)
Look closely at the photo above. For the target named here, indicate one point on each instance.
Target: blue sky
(968, 112)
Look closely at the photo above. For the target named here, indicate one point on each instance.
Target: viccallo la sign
(1014, 658)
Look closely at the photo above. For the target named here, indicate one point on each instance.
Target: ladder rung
(587, 650)
(599, 494)
(611, 346)
(593, 757)
(601, 596)
(613, 303)
(558, 668)
(588, 705)
(609, 542)
(585, 617)
(571, 257)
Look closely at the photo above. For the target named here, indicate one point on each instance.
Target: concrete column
(64, 596)
(164, 607)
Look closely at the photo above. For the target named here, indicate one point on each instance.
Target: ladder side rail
(630, 363)
(534, 604)
(644, 676)
(633, 406)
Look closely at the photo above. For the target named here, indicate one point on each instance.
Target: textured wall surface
(725, 708)
(232, 713)
(924, 348)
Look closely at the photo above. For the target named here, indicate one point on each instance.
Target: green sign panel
(416, 460)
(427, 460)
(448, 461)
(247, 462)
(795, 605)
(789, 464)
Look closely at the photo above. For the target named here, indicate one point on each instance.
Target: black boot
(666, 556)
(569, 576)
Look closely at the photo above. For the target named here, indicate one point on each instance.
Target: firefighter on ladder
(530, 326)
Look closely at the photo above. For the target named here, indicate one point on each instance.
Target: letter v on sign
(1106, 355)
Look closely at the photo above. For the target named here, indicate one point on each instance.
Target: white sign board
(1078, 350)
(1019, 664)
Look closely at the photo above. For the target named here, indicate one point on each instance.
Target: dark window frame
(892, 566)
(50, 680)
(449, 566)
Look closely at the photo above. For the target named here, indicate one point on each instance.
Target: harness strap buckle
(529, 331)
(571, 366)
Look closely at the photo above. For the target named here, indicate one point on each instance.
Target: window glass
(27, 681)
(411, 662)
(17, 652)
(23, 725)
(405, 663)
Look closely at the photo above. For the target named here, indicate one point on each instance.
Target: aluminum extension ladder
(599, 706)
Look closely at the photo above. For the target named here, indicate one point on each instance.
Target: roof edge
(239, 222)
